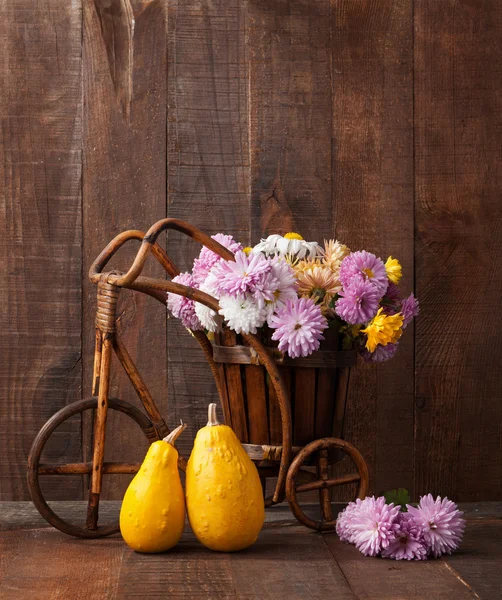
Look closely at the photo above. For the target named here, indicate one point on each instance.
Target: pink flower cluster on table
(432, 528)
(299, 289)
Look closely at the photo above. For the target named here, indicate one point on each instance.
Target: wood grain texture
(273, 568)
(290, 117)
(40, 233)
(380, 579)
(44, 564)
(40, 563)
(304, 406)
(478, 561)
(235, 391)
(458, 247)
(373, 208)
(256, 401)
(124, 187)
(208, 166)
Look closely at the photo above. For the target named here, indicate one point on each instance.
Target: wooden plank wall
(374, 120)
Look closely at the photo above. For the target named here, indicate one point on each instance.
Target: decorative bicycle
(284, 411)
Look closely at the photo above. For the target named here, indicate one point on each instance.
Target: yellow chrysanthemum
(394, 270)
(333, 254)
(383, 329)
(300, 266)
(247, 250)
(318, 283)
(291, 235)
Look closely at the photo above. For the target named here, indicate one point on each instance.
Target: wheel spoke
(327, 483)
(83, 468)
(324, 493)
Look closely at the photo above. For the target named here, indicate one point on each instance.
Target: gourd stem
(211, 415)
(175, 433)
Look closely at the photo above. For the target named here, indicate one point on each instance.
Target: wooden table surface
(287, 562)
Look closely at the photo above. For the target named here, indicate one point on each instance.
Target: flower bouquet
(299, 290)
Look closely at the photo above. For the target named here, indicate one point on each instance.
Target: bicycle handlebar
(149, 244)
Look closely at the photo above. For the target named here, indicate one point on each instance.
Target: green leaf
(399, 497)
(347, 342)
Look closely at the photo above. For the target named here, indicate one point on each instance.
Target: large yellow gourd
(223, 490)
(152, 516)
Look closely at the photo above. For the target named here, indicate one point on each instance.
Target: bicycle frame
(274, 460)
(107, 341)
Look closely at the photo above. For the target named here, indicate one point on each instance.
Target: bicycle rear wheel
(36, 468)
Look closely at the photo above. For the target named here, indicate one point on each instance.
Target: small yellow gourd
(152, 516)
(223, 489)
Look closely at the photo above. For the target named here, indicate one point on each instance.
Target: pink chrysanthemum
(298, 327)
(278, 286)
(381, 353)
(409, 541)
(207, 258)
(184, 308)
(441, 522)
(344, 521)
(242, 276)
(358, 302)
(409, 309)
(374, 525)
(366, 266)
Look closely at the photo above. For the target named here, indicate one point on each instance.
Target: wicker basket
(317, 387)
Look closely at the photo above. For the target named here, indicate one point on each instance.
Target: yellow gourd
(152, 516)
(223, 490)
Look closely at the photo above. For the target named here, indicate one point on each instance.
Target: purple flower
(374, 525)
(298, 327)
(244, 275)
(409, 309)
(344, 521)
(207, 258)
(409, 541)
(381, 353)
(278, 286)
(358, 302)
(366, 266)
(441, 523)
(184, 308)
(391, 302)
(393, 293)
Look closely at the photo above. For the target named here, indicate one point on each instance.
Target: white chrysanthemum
(209, 319)
(292, 244)
(242, 314)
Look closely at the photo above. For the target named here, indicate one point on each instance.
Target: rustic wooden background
(378, 121)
